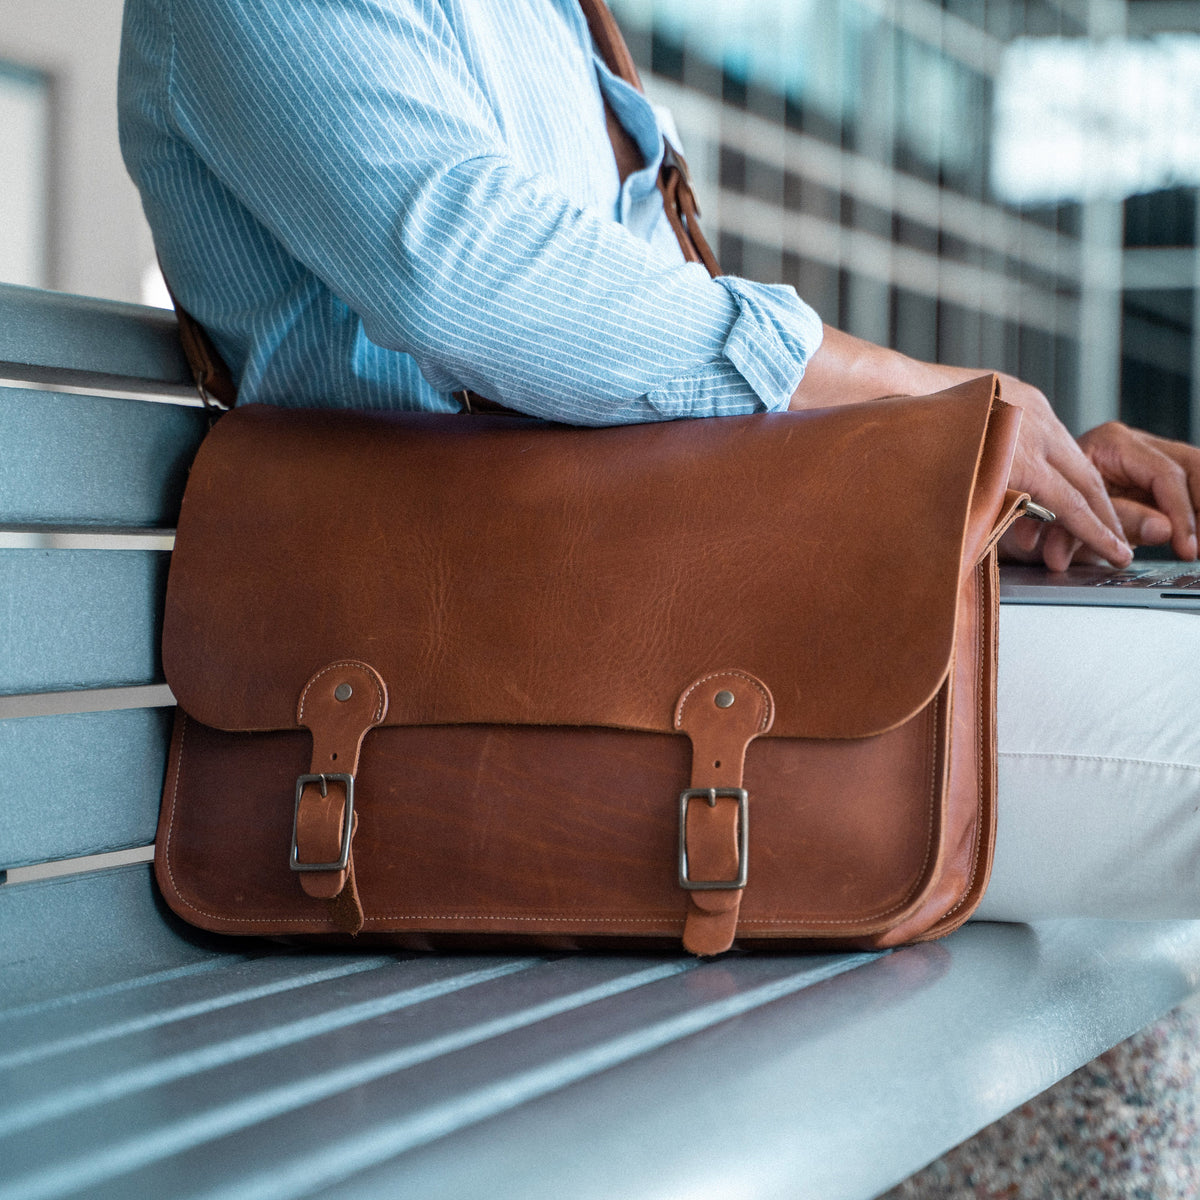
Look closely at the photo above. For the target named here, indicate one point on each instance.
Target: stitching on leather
(823, 922)
(754, 683)
(936, 724)
(225, 920)
(933, 779)
(694, 911)
(981, 684)
(359, 666)
(618, 917)
(177, 770)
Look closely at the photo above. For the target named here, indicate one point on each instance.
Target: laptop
(1174, 585)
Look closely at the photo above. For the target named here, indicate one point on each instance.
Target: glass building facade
(850, 148)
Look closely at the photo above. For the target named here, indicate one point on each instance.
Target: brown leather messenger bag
(448, 680)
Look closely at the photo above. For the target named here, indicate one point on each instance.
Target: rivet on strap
(722, 713)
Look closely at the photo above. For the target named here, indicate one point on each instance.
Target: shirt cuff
(763, 358)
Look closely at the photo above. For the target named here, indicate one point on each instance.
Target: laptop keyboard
(1149, 577)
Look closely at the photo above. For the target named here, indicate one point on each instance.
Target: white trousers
(1099, 744)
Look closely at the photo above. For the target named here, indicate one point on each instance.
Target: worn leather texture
(535, 600)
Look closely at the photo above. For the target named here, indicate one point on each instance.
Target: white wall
(99, 242)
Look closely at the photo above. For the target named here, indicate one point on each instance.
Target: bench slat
(81, 784)
(80, 618)
(162, 999)
(84, 935)
(348, 1087)
(181, 1073)
(159, 1036)
(521, 1027)
(53, 337)
(837, 1092)
(91, 460)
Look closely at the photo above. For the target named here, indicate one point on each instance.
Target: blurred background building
(1001, 183)
(997, 183)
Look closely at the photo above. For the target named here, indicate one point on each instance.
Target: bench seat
(142, 1058)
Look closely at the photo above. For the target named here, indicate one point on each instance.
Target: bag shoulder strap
(214, 380)
(610, 42)
(674, 182)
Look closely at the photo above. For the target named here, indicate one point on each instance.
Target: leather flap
(502, 570)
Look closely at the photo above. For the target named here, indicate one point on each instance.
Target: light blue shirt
(375, 203)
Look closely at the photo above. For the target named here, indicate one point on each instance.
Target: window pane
(24, 121)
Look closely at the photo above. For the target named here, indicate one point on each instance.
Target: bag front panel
(544, 832)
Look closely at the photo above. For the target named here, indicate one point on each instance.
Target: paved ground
(1125, 1127)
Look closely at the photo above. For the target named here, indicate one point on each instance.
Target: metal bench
(141, 1058)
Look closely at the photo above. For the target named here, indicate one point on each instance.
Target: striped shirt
(375, 203)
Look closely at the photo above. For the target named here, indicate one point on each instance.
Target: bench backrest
(90, 484)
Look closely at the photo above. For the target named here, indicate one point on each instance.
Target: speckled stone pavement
(1125, 1127)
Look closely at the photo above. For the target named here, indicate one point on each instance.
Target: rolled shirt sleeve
(345, 191)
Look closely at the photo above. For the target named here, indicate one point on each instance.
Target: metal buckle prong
(1030, 508)
(343, 860)
(711, 796)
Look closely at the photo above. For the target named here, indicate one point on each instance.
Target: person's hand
(1152, 489)
(1154, 484)
(1053, 468)
(1112, 489)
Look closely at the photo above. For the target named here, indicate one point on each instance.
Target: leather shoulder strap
(214, 380)
(674, 182)
(607, 36)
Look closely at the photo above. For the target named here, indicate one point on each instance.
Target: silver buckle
(341, 863)
(712, 795)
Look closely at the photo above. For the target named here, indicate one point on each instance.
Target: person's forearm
(847, 370)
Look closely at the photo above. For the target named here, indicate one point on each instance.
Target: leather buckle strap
(722, 713)
(682, 210)
(338, 705)
(214, 380)
(673, 159)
